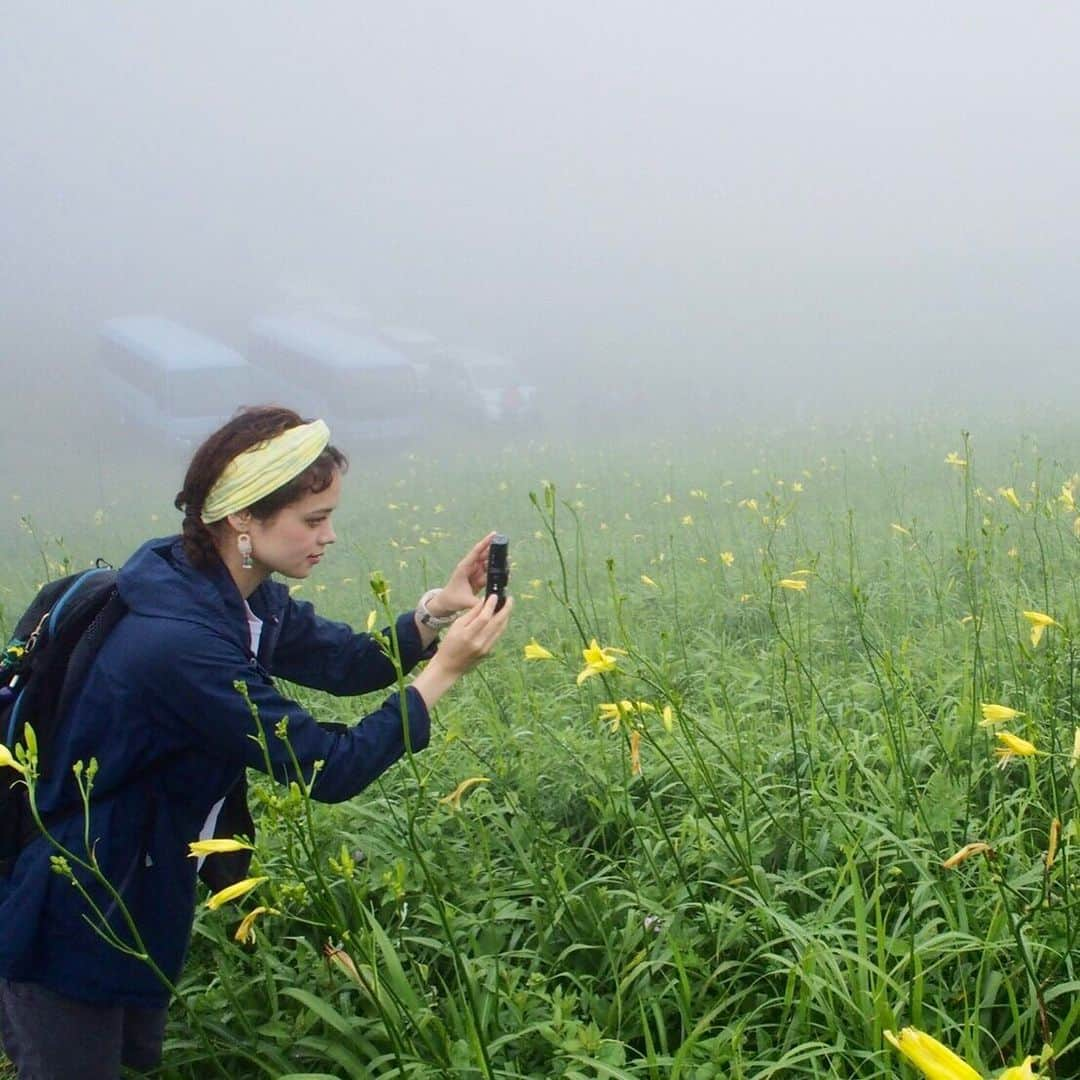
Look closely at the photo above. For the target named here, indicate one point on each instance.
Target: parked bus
(364, 389)
(168, 380)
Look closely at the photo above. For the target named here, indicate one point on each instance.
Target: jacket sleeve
(326, 655)
(201, 672)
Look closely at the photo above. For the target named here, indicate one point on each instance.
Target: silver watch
(433, 622)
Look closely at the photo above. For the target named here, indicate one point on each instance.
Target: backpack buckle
(32, 640)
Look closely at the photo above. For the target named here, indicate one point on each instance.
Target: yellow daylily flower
(1039, 623)
(953, 458)
(1023, 1071)
(6, 759)
(997, 714)
(612, 712)
(598, 659)
(1017, 745)
(1009, 496)
(668, 718)
(794, 584)
(646, 580)
(932, 1058)
(688, 519)
(900, 529)
(1012, 746)
(453, 800)
(727, 558)
(967, 852)
(217, 847)
(245, 932)
(1052, 842)
(1074, 757)
(635, 753)
(370, 623)
(234, 891)
(535, 651)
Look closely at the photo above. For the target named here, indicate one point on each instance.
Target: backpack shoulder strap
(111, 610)
(33, 619)
(67, 627)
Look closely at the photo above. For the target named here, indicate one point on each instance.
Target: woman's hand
(473, 636)
(468, 578)
(466, 643)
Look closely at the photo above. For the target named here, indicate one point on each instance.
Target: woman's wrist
(433, 611)
(438, 606)
(434, 681)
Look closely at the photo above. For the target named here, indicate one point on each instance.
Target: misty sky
(842, 187)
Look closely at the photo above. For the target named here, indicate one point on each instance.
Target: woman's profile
(172, 735)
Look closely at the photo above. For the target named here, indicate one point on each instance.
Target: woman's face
(293, 541)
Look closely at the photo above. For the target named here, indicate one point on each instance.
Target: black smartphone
(498, 569)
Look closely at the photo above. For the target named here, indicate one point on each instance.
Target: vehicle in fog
(169, 381)
(364, 389)
(352, 318)
(417, 346)
(481, 386)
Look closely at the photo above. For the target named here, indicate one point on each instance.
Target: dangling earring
(243, 545)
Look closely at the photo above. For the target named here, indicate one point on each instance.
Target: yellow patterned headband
(264, 468)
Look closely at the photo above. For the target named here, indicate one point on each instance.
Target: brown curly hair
(250, 426)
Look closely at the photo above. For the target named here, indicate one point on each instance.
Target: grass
(766, 896)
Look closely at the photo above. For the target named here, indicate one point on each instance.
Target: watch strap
(424, 614)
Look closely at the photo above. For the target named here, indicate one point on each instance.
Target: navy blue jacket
(171, 735)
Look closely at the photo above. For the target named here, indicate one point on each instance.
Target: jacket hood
(158, 581)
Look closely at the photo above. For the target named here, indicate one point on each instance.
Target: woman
(173, 736)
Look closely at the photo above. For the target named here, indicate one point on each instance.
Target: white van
(481, 386)
(169, 381)
(365, 390)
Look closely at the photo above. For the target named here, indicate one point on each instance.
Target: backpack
(41, 670)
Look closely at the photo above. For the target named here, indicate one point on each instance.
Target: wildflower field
(778, 756)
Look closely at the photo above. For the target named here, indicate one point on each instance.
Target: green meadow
(692, 818)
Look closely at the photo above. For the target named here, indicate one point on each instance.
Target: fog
(707, 209)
